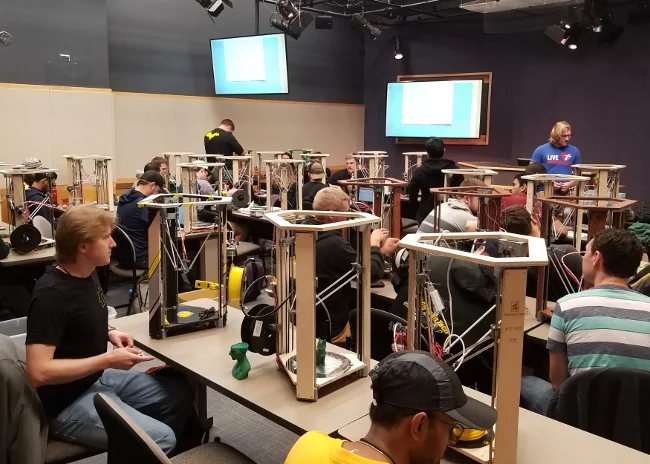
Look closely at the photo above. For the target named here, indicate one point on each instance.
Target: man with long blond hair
(558, 155)
(67, 334)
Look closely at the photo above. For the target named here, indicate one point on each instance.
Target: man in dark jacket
(38, 193)
(334, 258)
(135, 221)
(315, 176)
(428, 176)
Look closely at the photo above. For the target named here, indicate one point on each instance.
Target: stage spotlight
(572, 36)
(398, 51)
(287, 9)
(293, 28)
(365, 25)
(213, 7)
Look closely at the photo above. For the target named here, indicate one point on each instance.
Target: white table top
(267, 390)
(541, 441)
(540, 333)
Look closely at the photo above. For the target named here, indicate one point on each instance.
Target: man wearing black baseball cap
(419, 407)
(135, 221)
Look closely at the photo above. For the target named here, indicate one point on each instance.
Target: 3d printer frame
(507, 332)
(284, 173)
(165, 262)
(386, 200)
(102, 179)
(15, 192)
(296, 262)
(370, 164)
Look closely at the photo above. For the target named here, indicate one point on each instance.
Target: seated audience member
(428, 176)
(203, 186)
(14, 294)
(67, 333)
(334, 258)
(134, 220)
(517, 220)
(456, 214)
(519, 190)
(316, 175)
(418, 408)
(315, 158)
(343, 174)
(162, 162)
(604, 326)
(38, 192)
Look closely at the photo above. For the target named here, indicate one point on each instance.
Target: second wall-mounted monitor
(452, 107)
(252, 65)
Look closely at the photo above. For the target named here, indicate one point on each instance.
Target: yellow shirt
(319, 448)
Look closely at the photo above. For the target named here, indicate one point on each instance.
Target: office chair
(123, 264)
(381, 333)
(128, 442)
(612, 403)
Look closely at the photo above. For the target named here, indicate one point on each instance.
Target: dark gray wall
(602, 92)
(162, 46)
(42, 30)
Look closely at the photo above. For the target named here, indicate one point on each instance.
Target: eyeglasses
(456, 430)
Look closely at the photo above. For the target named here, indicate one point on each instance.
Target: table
(44, 255)
(267, 391)
(540, 441)
(540, 333)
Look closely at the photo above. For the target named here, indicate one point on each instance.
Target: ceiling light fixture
(398, 51)
(572, 36)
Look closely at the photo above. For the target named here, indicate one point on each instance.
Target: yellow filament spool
(235, 282)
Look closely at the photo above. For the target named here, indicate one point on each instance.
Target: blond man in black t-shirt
(67, 331)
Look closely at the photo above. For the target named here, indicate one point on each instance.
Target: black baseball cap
(421, 381)
(153, 176)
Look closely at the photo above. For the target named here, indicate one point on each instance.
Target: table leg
(202, 403)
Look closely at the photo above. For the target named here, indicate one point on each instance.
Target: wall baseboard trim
(10, 85)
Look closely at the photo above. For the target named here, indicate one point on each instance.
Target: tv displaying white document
(250, 65)
(445, 109)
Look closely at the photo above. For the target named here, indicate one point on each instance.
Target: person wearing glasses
(418, 408)
(558, 155)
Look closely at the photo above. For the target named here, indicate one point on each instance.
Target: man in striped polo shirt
(607, 325)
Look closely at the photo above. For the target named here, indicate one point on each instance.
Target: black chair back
(127, 441)
(381, 333)
(124, 251)
(612, 403)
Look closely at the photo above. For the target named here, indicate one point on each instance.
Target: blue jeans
(158, 404)
(536, 394)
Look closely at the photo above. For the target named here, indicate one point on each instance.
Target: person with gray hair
(334, 258)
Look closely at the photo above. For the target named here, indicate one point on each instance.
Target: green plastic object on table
(320, 354)
(242, 366)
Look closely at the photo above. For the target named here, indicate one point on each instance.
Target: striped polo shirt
(605, 326)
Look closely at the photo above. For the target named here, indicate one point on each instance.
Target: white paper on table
(428, 103)
(244, 59)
